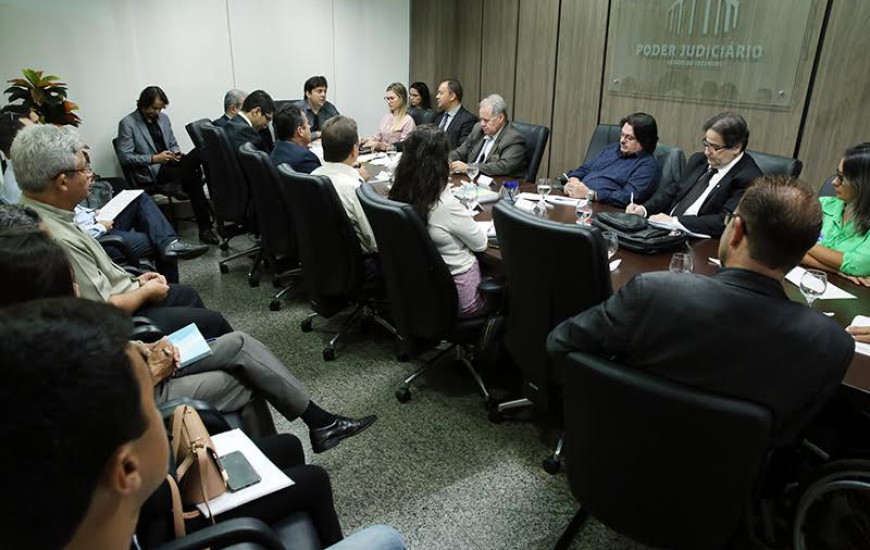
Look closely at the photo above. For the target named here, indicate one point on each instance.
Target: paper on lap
(117, 205)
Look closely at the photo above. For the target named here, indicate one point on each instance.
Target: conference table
(856, 382)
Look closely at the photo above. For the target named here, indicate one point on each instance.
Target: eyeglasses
(713, 146)
(627, 137)
(838, 179)
(731, 215)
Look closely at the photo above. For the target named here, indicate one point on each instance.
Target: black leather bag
(636, 234)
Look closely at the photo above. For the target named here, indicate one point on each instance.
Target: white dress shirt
(455, 233)
(449, 116)
(346, 179)
(714, 181)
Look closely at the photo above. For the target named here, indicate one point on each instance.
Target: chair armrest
(213, 419)
(225, 533)
(117, 242)
(145, 330)
(493, 292)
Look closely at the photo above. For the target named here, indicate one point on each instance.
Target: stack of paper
(190, 344)
(861, 321)
(488, 228)
(119, 202)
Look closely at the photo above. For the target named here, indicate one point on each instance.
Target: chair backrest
(274, 220)
(194, 130)
(546, 285)
(665, 464)
(604, 135)
(230, 192)
(423, 116)
(536, 141)
(329, 248)
(127, 170)
(422, 294)
(775, 165)
(827, 189)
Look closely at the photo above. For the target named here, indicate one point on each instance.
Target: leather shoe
(327, 437)
(207, 236)
(183, 250)
(172, 189)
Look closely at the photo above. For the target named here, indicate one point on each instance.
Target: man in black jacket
(714, 182)
(256, 114)
(735, 334)
(454, 119)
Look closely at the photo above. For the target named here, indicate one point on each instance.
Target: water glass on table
(681, 262)
(472, 170)
(814, 282)
(611, 239)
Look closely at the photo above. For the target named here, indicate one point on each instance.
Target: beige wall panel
(465, 51)
(499, 52)
(839, 113)
(772, 131)
(578, 81)
(536, 66)
(431, 36)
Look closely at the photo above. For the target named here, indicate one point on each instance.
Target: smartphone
(240, 473)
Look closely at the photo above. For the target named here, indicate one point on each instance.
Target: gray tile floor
(434, 468)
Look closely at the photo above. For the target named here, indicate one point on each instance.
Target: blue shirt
(299, 158)
(615, 177)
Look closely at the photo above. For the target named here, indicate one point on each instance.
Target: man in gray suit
(233, 101)
(493, 144)
(147, 145)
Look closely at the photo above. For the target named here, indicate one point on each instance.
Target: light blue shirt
(10, 191)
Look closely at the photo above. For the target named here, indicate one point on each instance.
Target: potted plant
(45, 95)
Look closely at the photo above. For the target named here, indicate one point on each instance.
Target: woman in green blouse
(844, 245)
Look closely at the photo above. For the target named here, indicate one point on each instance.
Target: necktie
(482, 155)
(694, 193)
(444, 121)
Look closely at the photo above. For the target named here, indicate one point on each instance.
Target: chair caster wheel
(305, 325)
(551, 465)
(403, 394)
(403, 356)
(253, 283)
(496, 417)
(328, 354)
(275, 305)
(224, 269)
(224, 246)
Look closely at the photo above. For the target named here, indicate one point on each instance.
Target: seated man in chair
(496, 148)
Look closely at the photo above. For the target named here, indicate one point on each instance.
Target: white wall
(108, 50)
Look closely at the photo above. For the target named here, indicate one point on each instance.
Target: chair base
(573, 528)
(253, 275)
(496, 414)
(364, 312)
(553, 463)
(286, 281)
(463, 354)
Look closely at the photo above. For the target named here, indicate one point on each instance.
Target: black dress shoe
(323, 439)
(173, 190)
(183, 251)
(207, 236)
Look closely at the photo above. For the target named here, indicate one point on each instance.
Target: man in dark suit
(256, 114)
(453, 118)
(493, 144)
(714, 182)
(146, 145)
(294, 135)
(233, 101)
(736, 334)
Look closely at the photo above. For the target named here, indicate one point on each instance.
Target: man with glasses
(737, 333)
(623, 171)
(714, 182)
(256, 115)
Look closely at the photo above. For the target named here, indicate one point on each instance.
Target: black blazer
(736, 334)
(721, 201)
(240, 132)
(222, 121)
(460, 127)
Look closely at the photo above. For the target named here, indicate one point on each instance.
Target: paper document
(271, 478)
(483, 179)
(190, 344)
(674, 224)
(714, 261)
(363, 159)
(384, 160)
(529, 196)
(117, 205)
(471, 192)
(487, 227)
(525, 205)
(861, 321)
(831, 292)
(614, 265)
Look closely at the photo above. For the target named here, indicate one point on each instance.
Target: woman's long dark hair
(32, 266)
(856, 172)
(423, 172)
(425, 98)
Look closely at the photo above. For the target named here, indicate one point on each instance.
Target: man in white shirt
(496, 148)
(715, 180)
(340, 139)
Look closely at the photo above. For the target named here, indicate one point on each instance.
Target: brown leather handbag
(201, 477)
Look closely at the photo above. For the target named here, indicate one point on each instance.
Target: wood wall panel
(466, 53)
(431, 37)
(582, 33)
(536, 66)
(680, 122)
(499, 51)
(839, 109)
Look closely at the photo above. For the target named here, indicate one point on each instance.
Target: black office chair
(602, 136)
(422, 293)
(668, 465)
(776, 165)
(827, 189)
(422, 116)
(333, 266)
(274, 220)
(231, 198)
(533, 252)
(535, 137)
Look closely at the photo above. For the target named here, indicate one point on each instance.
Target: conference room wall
(818, 124)
(108, 50)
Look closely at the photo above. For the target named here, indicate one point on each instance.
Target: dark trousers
(186, 174)
(182, 307)
(144, 227)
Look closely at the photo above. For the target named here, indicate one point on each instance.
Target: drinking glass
(814, 282)
(472, 171)
(681, 263)
(391, 157)
(544, 188)
(612, 242)
(584, 212)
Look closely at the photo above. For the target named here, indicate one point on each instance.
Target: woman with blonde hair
(397, 124)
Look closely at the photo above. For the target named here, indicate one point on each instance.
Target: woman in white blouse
(396, 125)
(422, 181)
